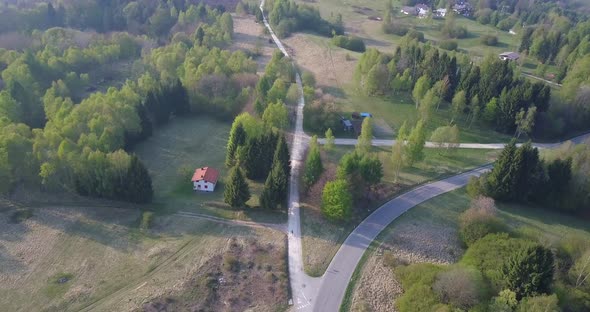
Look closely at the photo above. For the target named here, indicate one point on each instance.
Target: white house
(422, 10)
(440, 12)
(509, 56)
(205, 179)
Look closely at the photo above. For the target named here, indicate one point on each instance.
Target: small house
(205, 179)
(422, 10)
(440, 13)
(509, 56)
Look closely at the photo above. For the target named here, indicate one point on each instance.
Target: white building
(205, 179)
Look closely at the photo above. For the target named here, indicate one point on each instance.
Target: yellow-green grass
(321, 239)
(176, 150)
(535, 223)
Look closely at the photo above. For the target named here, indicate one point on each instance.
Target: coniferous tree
(237, 191)
(282, 155)
(499, 182)
(237, 138)
(529, 271)
(138, 183)
(313, 164)
(275, 188)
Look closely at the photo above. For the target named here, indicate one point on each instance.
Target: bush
(21, 215)
(414, 34)
(479, 220)
(489, 40)
(396, 29)
(450, 45)
(231, 264)
(507, 23)
(459, 287)
(539, 303)
(528, 271)
(416, 279)
(474, 187)
(147, 218)
(349, 43)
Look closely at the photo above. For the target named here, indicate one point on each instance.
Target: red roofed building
(205, 179)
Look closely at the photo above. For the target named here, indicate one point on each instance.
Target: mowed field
(95, 258)
(429, 233)
(322, 239)
(174, 152)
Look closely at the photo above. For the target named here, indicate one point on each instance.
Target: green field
(321, 239)
(174, 152)
(538, 224)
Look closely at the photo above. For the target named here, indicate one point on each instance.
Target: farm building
(408, 10)
(509, 56)
(205, 179)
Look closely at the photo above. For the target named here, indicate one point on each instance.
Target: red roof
(206, 173)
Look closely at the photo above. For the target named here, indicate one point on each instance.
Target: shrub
(414, 34)
(479, 220)
(416, 280)
(507, 23)
(231, 264)
(459, 287)
(396, 29)
(147, 218)
(474, 187)
(337, 201)
(450, 45)
(21, 215)
(349, 43)
(539, 303)
(489, 40)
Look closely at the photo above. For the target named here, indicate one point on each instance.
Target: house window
(205, 186)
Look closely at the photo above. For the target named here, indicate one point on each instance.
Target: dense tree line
(152, 17)
(521, 175)
(491, 86)
(287, 17)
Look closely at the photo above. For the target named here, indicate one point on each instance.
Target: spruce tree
(137, 183)
(282, 155)
(529, 271)
(237, 138)
(237, 191)
(398, 150)
(313, 164)
(499, 183)
(275, 188)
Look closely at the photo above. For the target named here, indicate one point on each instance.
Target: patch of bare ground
(94, 258)
(248, 275)
(249, 36)
(331, 66)
(409, 241)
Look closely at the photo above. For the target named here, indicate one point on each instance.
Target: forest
(55, 137)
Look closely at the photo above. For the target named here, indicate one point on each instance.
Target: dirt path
(279, 227)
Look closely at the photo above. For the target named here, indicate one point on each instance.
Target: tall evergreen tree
(138, 183)
(529, 271)
(313, 164)
(398, 149)
(282, 155)
(275, 188)
(237, 191)
(237, 138)
(329, 144)
(500, 181)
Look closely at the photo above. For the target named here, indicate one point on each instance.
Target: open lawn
(428, 233)
(321, 239)
(174, 152)
(95, 258)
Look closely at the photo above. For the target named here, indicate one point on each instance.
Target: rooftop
(206, 173)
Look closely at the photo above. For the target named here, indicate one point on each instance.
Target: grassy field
(82, 258)
(442, 213)
(321, 239)
(176, 150)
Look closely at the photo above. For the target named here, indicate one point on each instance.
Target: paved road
(302, 285)
(378, 142)
(340, 270)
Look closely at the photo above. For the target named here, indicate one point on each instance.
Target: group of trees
(287, 17)
(151, 17)
(490, 90)
(521, 175)
(358, 172)
(349, 43)
(257, 151)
